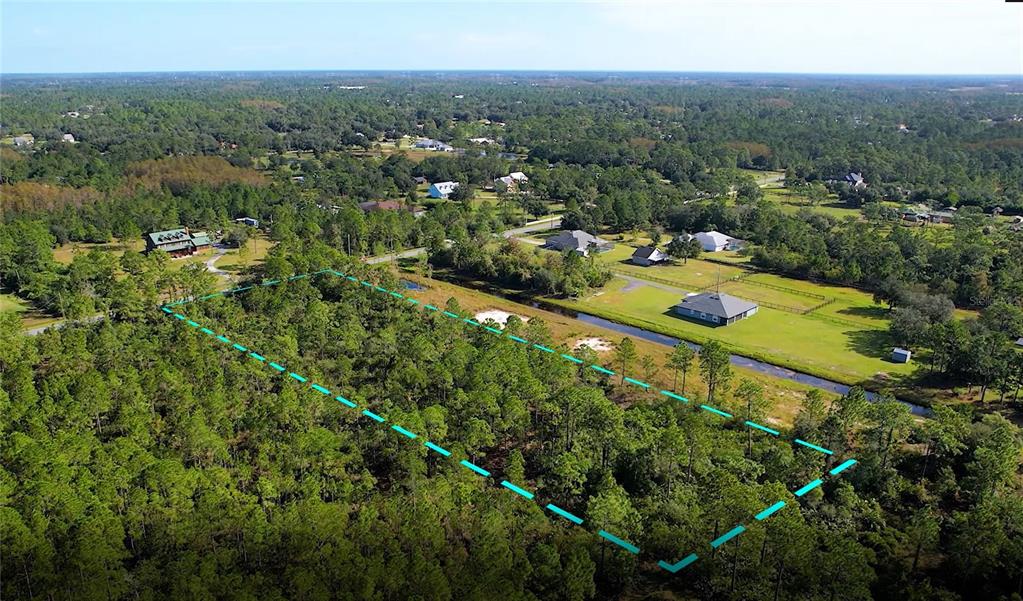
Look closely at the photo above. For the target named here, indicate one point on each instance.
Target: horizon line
(511, 71)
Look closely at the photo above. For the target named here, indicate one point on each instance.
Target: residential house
(249, 221)
(25, 140)
(70, 139)
(648, 255)
(178, 243)
(430, 144)
(714, 241)
(942, 216)
(482, 141)
(856, 181)
(715, 308)
(442, 189)
(913, 216)
(579, 242)
(420, 180)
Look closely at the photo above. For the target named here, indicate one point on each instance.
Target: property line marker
(296, 376)
(320, 389)
(727, 536)
(813, 446)
(808, 487)
(675, 567)
(475, 468)
(628, 547)
(440, 450)
(763, 515)
(342, 399)
(848, 463)
(402, 431)
(568, 516)
(672, 395)
(716, 411)
(516, 489)
(372, 415)
(763, 428)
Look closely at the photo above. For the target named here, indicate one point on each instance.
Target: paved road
(62, 323)
(213, 268)
(535, 226)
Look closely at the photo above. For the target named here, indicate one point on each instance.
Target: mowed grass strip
(838, 351)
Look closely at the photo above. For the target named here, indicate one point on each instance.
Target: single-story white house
(648, 255)
(714, 241)
(442, 189)
(430, 144)
(901, 355)
(249, 221)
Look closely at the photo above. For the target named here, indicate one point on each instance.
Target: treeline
(924, 141)
(520, 266)
(143, 459)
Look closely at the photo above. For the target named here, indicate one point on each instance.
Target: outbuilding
(901, 355)
(648, 255)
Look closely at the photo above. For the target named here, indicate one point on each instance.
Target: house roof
(445, 186)
(575, 239)
(518, 176)
(901, 351)
(383, 205)
(717, 237)
(717, 303)
(645, 252)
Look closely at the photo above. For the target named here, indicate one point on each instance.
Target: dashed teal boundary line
(671, 567)
(323, 390)
(498, 332)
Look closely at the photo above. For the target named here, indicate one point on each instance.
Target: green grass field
(695, 274)
(841, 351)
(30, 318)
(792, 203)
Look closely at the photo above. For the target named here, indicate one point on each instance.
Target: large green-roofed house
(177, 243)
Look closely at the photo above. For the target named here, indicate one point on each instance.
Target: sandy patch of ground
(501, 317)
(598, 344)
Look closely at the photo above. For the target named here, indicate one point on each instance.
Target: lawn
(30, 318)
(236, 260)
(842, 351)
(789, 202)
(693, 275)
(65, 253)
(786, 396)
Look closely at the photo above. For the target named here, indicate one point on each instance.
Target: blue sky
(821, 36)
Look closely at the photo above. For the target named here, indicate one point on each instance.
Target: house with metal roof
(579, 242)
(442, 189)
(715, 308)
(178, 243)
(714, 241)
(648, 255)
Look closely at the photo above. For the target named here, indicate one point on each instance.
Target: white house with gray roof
(716, 308)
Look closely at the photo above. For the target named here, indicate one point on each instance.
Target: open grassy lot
(785, 396)
(695, 274)
(791, 203)
(30, 317)
(65, 253)
(841, 351)
(236, 260)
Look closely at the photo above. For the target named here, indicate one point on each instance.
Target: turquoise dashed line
(727, 536)
(808, 487)
(179, 316)
(350, 278)
(296, 376)
(450, 314)
(763, 515)
(517, 490)
(223, 339)
(299, 277)
(493, 330)
(239, 347)
(472, 322)
(672, 395)
(366, 284)
(271, 282)
(475, 468)
(380, 289)
(402, 431)
(411, 300)
(716, 411)
(602, 370)
(440, 450)
(762, 428)
(206, 331)
(628, 547)
(257, 356)
(320, 389)
(517, 339)
(571, 358)
(813, 446)
(192, 323)
(275, 366)
(431, 308)
(166, 310)
(848, 463)
(637, 383)
(675, 567)
(543, 348)
(345, 401)
(372, 415)
(568, 516)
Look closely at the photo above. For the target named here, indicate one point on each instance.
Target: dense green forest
(142, 459)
